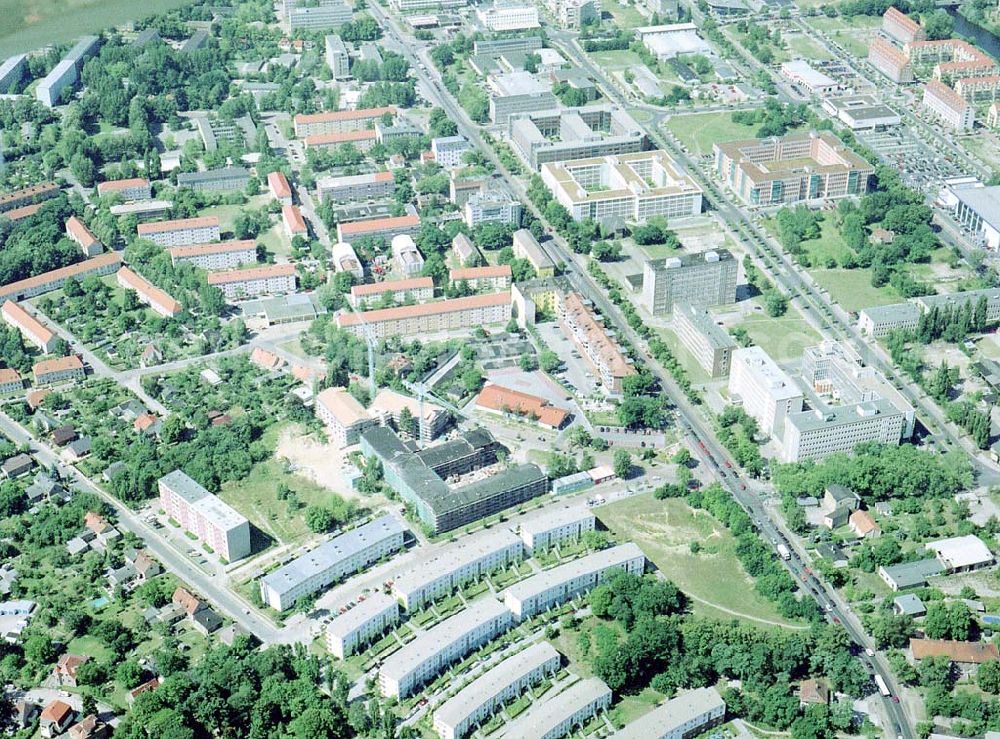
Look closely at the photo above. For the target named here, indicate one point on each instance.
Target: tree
(938, 25)
(129, 673)
(775, 304)
(528, 362)
(549, 361)
(319, 519)
(38, 650)
(682, 457)
(988, 677)
(622, 464)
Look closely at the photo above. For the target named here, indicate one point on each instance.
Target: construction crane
(369, 333)
(420, 391)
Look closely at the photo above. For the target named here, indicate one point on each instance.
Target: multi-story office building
(339, 121)
(490, 277)
(205, 515)
(12, 71)
(411, 6)
(78, 231)
(492, 206)
(28, 196)
(345, 417)
(628, 187)
(458, 563)
(958, 300)
(240, 132)
(461, 713)
(947, 105)
(554, 587)
(574, 133)
(181, 232)
(427, 318)
(878, 321)
(281, 191)
(683, 717)
(293, 223)
(574, 13)
(818, 433)
(337, 58)
(362, 140)
(331, 561)
(328, 15)
(900, 27)
(271, 279)
(345, 259)
(766, 391)
(557, 716)
(51, 371)
(517, 92)
(413, 289)
(595, 340)
(792, 168)
(405, 254)
(432, 651)
(526, 246)
(710, 345)
(861, 112)
(706, 278)
(496, 47)
(367, 620)
(569, 522)
(148, 293)
(102, 264)
(448, 150)
(385, 228)
(224, 179)
(356, 187)
(508, 17)
(30, 328)
(134, 188)
(222, 255)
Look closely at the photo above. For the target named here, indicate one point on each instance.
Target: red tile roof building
(901, 27)
(104, 264)
(281, 191)
(28, 196)
(498, 399)
(428, 318)
(384, 227)
(10, 381)
(339, 121)
(890, 61)
(135, 188)
(948, 105)
(148, 293)
(29, 326)
(58, 370)
(495, 277)
(245, 283)
(78, 231)
(294, 223)
(583, 326)
(361, 140)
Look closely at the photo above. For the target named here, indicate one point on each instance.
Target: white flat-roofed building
(345, 417)
(222, 255)
(483, 696)
(559, 715)
(448, 150)
(143, 210)
(408, 258)
(880, 320)
(701, 279)
(861, 112)
(29, 327)
(345, 259)
(325, 16)
(362, 623)
(962, 553)
(181, 232)
(818, 433)
(554, 527)
(574, 133)
(709, 343)
(555, 586)
(509, 17)
(343, 555)
(356, 187)
(337, 58)
(626, 187)
(271, 279)
(433, 650)
(205, 515)
(456, 565)
(802, 73)
(12, 71)
(50, 90)
(517, 92)
(679, 718)
(667, 41)
(768, 394)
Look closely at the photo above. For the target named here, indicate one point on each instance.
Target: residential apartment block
(10, 381)
(220, 255)
(900, 27)
(574, 14)
(28, 196)
(587, 329)
(67, 72)
(337, 58)
(890, 61)
(703, 279)
(979, 89)
(385, 228)
(878, 321)
(405, 254)
(12, 71)
(362, 140)
(449, 150)
(181, 232)
(135, 188)
(413, 289)
(490, 277)
(492, 206)
(205, 515)
(345, 417)
(293, 223)
(790, 169)
(558, 716)
(426, 318)
(148, 293)
(461, 713)
(567, 523)
(341, 556)
(947, 105)
(555, 586)
(339, 121)
(33, 331)
(685, 716)
(465, 560)
(51, 371)
(627, 187)
(281, 191)
(710, 344)
(766, 392)
(367, 620)
(424, 658)
(102, 264)
(574, 133)
(517, 92)
(246, 283)
(526, 246)
(78, 231)
(224, 179)
(356, 187)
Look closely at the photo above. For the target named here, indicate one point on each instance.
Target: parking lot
(576, 370)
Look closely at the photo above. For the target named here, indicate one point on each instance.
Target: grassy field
(852, 288)
(783, 338)
(802, 46)
(714, 579)
(615, 60)
(853, 34)
(625, 16)
(29, 24)
(698, 131)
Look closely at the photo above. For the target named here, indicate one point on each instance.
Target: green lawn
(625, 17)
(631, 707)
(698, 131)
(616, 60)
(782, 338)
(89, 646)
(852, 288)
(853, 34)
(800, 45)
(829, 245)
(714, 579)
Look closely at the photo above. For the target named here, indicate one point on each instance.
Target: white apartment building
(134, 188)
(433, 650)
(456, 565)
(205, 515)
(818, 433)
(211, 257)
(368, 619)
(30, 328)
(337, 58)
(710, 344)
(246, 283)
(552, 587)
(356, 187)
(567, 523)
(343, 555)
(489, 277)
(682, 717)
(946, 104)
(880, 320)
(415, 289)
(345, 417)
(180, 232)
(461, 713)
(408, 258)
(448, 150)
(508, 17)
(556, 717)
(338, 121)
(766, 391)
(326, 16)
(345, 259)
(102, 264)
(426, 318)
(495, 206)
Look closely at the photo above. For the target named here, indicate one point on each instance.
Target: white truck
(783, 552)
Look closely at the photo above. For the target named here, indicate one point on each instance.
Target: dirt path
(731, 612)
